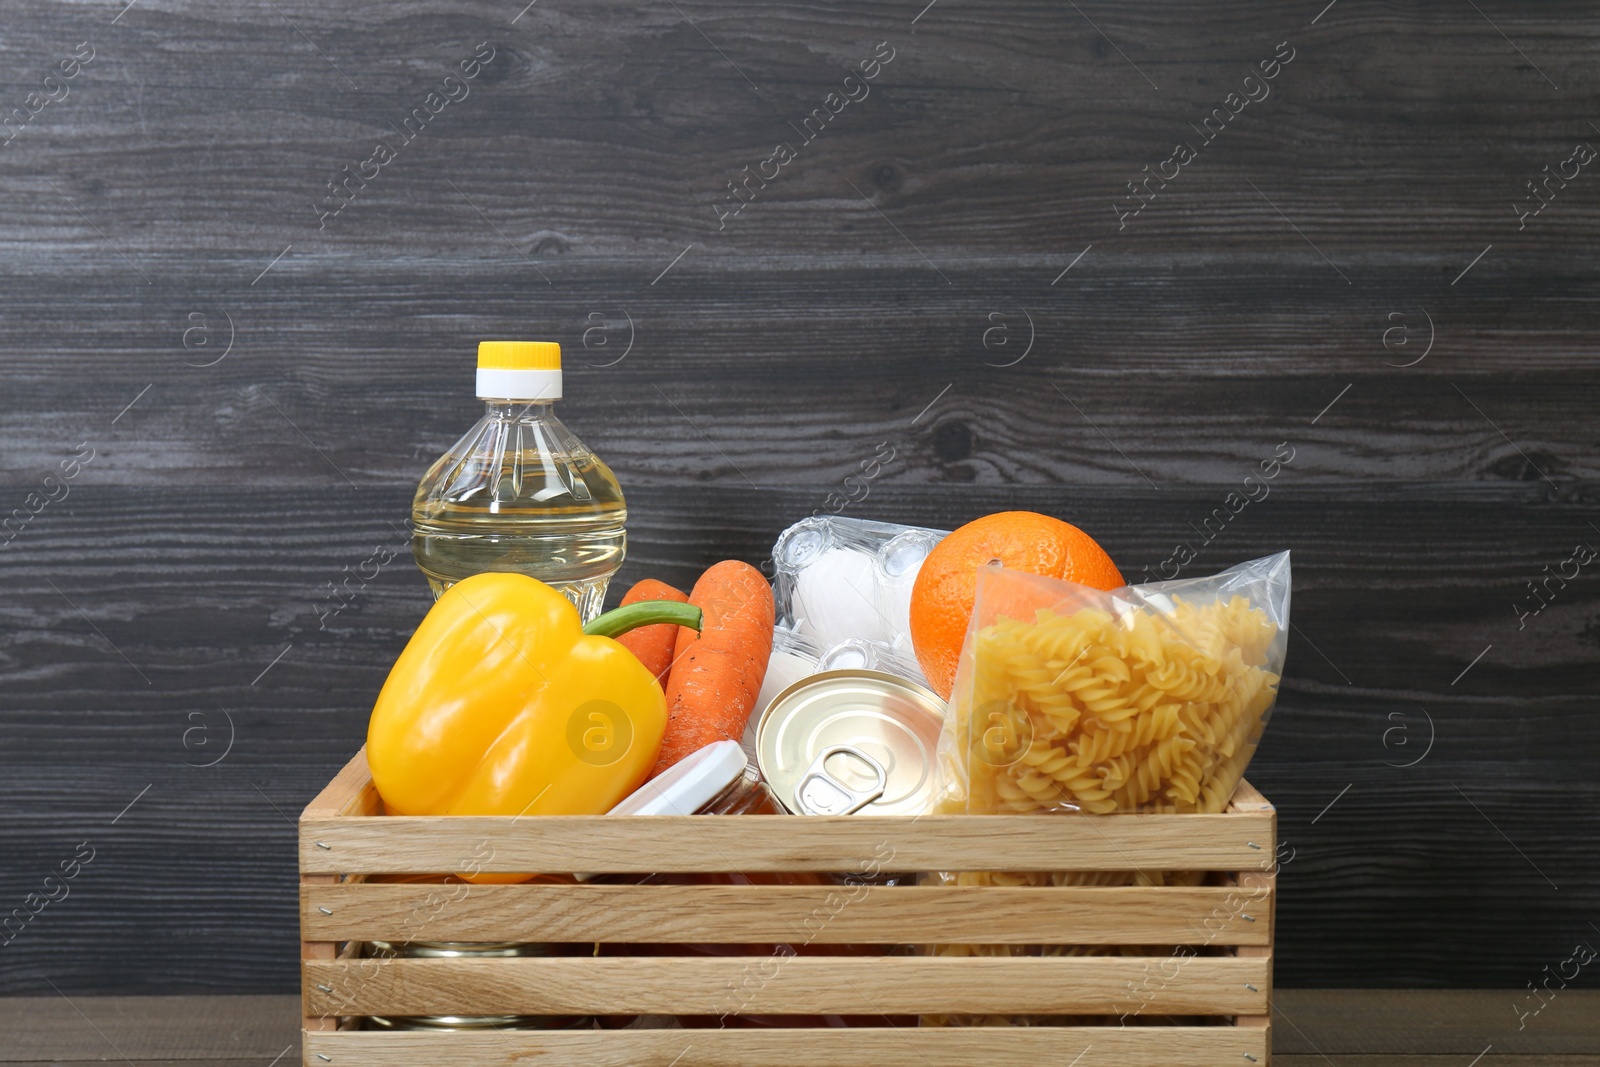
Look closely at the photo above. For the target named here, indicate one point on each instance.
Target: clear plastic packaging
(838, 579)
(521, 493)
(860, 654)
(1068, 699)
(1148, 698)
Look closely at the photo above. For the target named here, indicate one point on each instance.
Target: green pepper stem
(619, 621)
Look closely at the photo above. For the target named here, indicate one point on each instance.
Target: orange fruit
(942, 598)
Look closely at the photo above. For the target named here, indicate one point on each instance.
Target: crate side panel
(772, 984)
(762, 843)
(1193, 1046)
(350, 792)
(761, 914)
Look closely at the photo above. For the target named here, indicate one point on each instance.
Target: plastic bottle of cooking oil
(520, 492)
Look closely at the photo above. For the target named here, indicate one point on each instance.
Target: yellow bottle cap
(519, 370)
(519, 355)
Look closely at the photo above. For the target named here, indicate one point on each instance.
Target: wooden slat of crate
(1263, 883)
(339, 842)
(761, 843)
(695, 985)
(1247, 798)
(351, 793)
(690, 914)
(1191, 1046)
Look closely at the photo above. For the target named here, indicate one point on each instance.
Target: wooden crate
(343, 839)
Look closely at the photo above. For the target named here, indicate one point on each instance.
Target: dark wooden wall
(1303, 280)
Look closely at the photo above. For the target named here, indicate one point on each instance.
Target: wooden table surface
(1362, 1027)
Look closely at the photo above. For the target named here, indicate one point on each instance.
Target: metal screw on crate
(599, 732)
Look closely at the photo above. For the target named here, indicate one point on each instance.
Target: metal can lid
(851, 740)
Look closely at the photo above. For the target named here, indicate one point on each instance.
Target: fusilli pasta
(1153, 707)
(1141, 710)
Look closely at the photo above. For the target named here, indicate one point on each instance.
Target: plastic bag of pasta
(1149, 698)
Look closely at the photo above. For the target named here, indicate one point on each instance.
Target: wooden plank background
(885, 288)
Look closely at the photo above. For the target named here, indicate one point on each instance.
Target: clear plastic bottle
(520, 492)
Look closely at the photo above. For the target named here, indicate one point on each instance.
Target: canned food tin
(473, 950)
(851, 741)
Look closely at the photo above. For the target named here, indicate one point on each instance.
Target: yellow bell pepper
(503, 703)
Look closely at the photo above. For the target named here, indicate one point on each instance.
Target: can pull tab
(820, 793)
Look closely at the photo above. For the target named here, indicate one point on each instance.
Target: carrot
(652, 645)
(717, 672)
